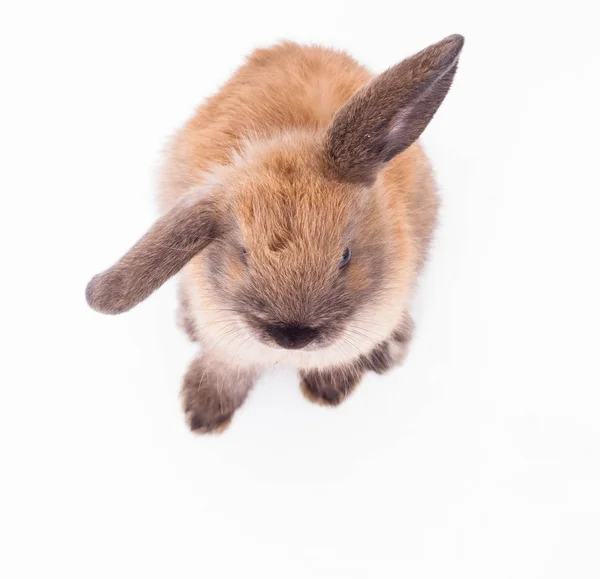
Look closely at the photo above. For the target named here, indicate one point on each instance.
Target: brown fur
(402, 100)
(171, 242)
(211, 394)
(332, 386)
(301, 155)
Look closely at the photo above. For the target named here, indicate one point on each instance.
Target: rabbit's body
(282, 96)
(300, 207)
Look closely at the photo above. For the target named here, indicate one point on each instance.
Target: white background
(480, 458)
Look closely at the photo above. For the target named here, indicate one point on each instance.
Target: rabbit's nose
(292, 336)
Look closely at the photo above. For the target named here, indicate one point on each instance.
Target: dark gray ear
(168, 245)
(390, 113)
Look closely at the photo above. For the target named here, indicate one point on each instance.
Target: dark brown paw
(199, 423)
(329, 387)
(211, 394)
(207, 407)
(204, 412)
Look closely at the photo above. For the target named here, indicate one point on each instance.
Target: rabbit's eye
(345, 257)
(244, 255)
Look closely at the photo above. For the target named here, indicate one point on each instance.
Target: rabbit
(298, 207)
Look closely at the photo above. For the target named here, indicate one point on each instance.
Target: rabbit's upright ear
(389, 114)
(167, 246)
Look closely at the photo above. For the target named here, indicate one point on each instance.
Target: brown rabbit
(300, 207)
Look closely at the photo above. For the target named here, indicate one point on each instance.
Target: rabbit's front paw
(204, 412)
(329, 387)
(211, 396)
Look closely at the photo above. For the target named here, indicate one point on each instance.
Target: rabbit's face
(301, 254)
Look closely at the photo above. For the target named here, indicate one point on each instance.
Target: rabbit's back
(283, 88)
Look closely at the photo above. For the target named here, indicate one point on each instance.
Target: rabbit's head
(290, 237)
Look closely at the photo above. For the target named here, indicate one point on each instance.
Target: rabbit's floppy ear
(389, 114)
(167, 246)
